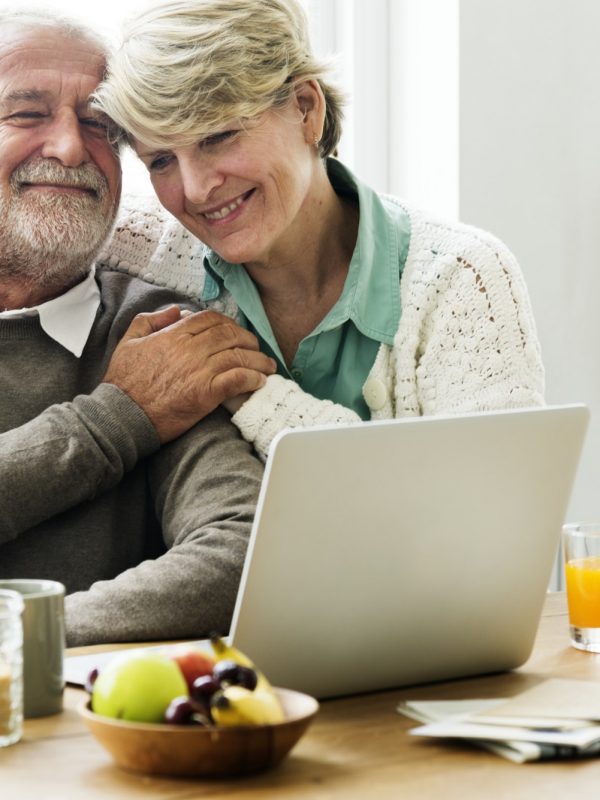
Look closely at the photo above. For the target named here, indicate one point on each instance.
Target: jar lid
(10, 602)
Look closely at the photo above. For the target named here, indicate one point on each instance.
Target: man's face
(60, 178)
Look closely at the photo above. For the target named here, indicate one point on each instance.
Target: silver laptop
(406, 551)
(402, 552)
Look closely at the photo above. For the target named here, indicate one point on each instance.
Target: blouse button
(375, 394)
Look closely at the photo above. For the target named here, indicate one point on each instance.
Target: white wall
(397, 60)
(424, 104)
(530, 172)
(489, 112)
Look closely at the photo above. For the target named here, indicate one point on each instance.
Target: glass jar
(11, 667)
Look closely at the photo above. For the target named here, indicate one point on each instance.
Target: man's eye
(26, 115)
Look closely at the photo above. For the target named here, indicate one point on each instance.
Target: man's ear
(310, 101)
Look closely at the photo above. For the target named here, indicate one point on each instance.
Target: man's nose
(65, 140)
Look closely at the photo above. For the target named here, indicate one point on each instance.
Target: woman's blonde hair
(187, 68)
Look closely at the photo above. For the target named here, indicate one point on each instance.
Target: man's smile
(59, 188)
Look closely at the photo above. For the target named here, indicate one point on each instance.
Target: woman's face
(243, 190)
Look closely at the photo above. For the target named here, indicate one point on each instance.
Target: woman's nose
(200, 176)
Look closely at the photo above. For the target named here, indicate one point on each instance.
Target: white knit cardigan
(466, 340)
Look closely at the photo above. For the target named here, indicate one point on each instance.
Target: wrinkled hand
(179, 367)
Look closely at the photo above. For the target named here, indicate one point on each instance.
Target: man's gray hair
(40, 17)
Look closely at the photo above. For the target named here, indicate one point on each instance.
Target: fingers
(208, 333)
(232, 358)
(145, 324)
(203, 321)
(237, 381)
(218, 332)
(178, 367)
(158, 320)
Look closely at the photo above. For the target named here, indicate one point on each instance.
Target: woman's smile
(229, 210)
(246, 195)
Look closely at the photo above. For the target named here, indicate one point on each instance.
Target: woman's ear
(310, 101)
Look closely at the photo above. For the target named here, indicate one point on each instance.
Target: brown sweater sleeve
(205, 487)
(68, 454)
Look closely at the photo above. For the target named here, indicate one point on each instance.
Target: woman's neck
(317, 248)
(303, 278)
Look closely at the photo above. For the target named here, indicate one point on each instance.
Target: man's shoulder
(124, 291)
(149, 243)
(122, 297)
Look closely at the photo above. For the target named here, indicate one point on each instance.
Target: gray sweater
(148, 540)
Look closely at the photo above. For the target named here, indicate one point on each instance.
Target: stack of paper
(559, 718)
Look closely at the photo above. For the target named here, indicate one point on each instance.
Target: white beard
(49, 239)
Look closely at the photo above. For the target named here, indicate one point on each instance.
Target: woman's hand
(233, 404)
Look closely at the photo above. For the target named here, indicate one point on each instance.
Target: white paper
(534, 738)
(557, 702)
(77, 668)
(463, 729)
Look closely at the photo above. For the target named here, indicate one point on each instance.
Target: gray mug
(43, 644)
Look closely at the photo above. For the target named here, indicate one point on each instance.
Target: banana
(223, 651)
(236, 705)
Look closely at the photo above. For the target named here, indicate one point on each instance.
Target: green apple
(138, 686)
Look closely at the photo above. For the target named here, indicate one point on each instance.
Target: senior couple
(148, 363)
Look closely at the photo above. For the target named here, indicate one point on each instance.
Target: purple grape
(228, 672)
(91, 680)
(202, 690)
(179, 711)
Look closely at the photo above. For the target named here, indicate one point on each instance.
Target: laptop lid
(405, 551)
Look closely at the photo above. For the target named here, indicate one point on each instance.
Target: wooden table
(356, 748)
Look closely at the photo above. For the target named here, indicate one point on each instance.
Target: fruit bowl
(196, 751)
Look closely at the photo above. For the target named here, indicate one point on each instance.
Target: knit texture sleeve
(280, 404)
(69, 454)
(149, 243)
(205, 487)
(467, 340)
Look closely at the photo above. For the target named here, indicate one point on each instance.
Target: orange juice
(583, 591)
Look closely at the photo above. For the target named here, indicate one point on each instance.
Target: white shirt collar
(68, 318)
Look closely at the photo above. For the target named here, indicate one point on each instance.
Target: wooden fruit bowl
(194, 751)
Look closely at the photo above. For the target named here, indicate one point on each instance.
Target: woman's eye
(93, 122)
(217, 138)
(159, 163)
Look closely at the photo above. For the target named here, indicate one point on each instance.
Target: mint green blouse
(334, 360)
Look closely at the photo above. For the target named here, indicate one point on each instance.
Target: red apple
(192, 662)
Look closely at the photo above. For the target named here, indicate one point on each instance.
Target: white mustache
(85, 176)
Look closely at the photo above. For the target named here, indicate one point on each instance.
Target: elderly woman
(371, 308)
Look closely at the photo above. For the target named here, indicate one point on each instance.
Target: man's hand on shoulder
(178, 366)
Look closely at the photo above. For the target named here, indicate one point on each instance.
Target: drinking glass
(11, 667)
(581, 548)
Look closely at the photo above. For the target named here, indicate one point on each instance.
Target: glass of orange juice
(581, 548)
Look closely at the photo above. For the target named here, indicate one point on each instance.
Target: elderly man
(109, 481)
